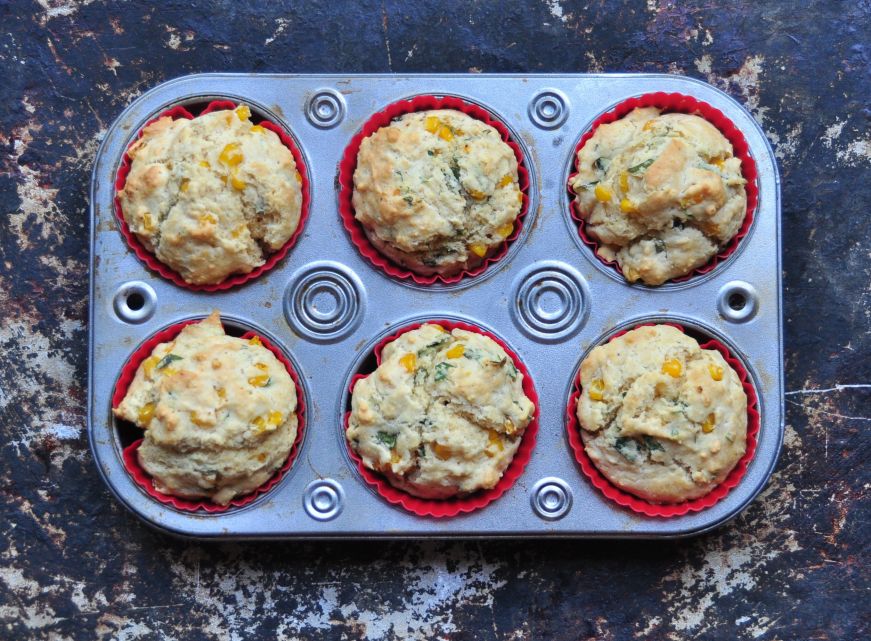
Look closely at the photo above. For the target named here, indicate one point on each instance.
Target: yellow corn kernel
(222, 393)
(505, 230)
(477, 195)
(145, 414)
(603, 194)
(505, 180)
(243, 112)
(259, 381)
(395, 458)
(627, 206)
(208, 218)
(441, 451)
(624, 181)
(230, 154)
(478, 249)
(718, 163)
(238, 183)
(198, 420)
(255, 340)
(275, 417)
(206, 164)
(238, 231)
(494, 438)
(260, 424)
(147, 222)
(148, 365)
(257, 129)
(708, 425)
(298, 177)
(431, 124)
(168, 371)
(672, 367)
(445, 133)
(456, 351)
(409, 362)
(184, 184)
(716, 372)
(261, 366)
(438, 327)
(647, 126)
(597, 389)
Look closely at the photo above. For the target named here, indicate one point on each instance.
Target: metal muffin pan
(325, 304)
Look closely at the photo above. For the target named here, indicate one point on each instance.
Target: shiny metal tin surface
(325, 304)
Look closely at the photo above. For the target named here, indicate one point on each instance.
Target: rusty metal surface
(74, 564)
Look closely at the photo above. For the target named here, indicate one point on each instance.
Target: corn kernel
(603, 194)
(198, 420)
(441, 451)
(260, 424)
(431, 124)
(672, 367)
(708, 425)
(259, 381)
(716, 372)
(230, 154)
(597, 389)
(445, 133)
(456, 351)
(478, 249)
(206, 164)
(222, 393)
(493, 438)
(238, 231)
(168, 371)
(275, 417)
(395, 458)
(507, 179)
(238, 183)
(647, 126)
(257, 129)
(145, 414)
(243, 112)
(298, 177)
(148, 365)
(261, 366)
(505, 230)
(255, 340)
(624, 181)
(438, 327)
(147, 222)
(627, 206)
(184, 184)
(208, 218)
(477, 195)
(719, 162)
(409, 362)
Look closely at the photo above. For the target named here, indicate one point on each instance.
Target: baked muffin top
(436, 191)
(212, 196)
(443, 415)
(661, 417)
(662, 193)
(219, 413)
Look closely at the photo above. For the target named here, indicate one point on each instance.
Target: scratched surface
(74, 564)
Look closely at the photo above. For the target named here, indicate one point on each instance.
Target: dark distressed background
(74, 564)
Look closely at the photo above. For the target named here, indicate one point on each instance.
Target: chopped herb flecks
(166, 360)
(386, 439)
(441, 371)
(641, 165)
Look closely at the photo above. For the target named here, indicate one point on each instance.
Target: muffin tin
(327, 306)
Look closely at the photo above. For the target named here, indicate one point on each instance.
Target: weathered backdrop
(74, 564)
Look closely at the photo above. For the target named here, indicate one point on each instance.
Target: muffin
(219, 413)
(443, 415)
(436, 191)
(661, 418)
(212, 196)
(661, 193)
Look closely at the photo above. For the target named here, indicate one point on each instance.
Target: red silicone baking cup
(440, 508)
(349, 164)
(675, 102)
(237, 279)
(131, 460)
(667, 510)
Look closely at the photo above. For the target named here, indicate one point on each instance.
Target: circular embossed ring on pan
(550, 301)
(549, 109)
(325, 109)
(324, 301)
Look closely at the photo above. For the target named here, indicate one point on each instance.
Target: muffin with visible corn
(661, 192)
(661, 417)
(212, 196)
(443, 414)
(437, 191)
(219, 413)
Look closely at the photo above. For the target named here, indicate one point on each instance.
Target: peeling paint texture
(75, 565)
